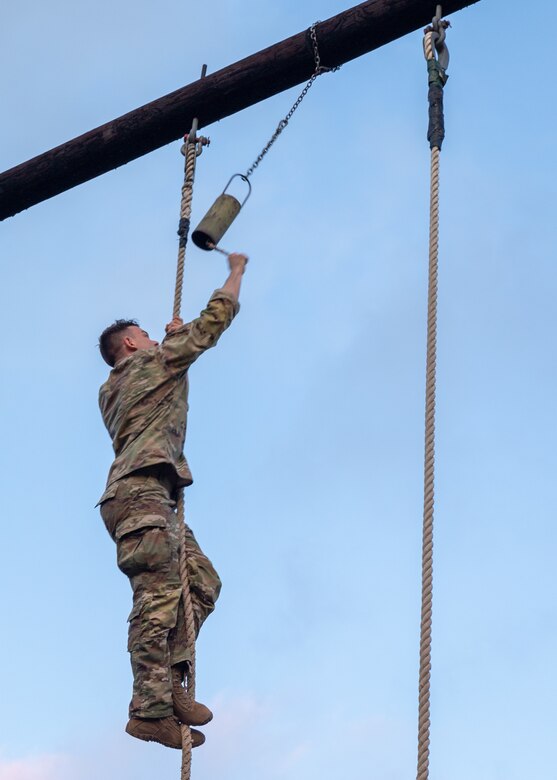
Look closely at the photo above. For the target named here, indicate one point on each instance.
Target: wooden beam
(342, 38)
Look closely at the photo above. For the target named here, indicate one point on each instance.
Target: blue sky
(306, 424)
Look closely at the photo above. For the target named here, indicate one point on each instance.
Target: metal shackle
(220, 216)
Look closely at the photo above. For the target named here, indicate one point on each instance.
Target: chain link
(319, 69)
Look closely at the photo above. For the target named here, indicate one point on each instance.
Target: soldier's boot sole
(165, 731)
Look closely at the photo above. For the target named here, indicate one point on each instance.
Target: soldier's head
(123, 338)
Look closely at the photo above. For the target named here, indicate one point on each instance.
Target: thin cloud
(46, 767)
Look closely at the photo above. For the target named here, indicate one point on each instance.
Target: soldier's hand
(237, 261)
(176, 323)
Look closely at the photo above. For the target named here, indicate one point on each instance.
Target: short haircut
(110, 339)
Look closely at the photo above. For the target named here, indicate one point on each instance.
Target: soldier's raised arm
(184, 343)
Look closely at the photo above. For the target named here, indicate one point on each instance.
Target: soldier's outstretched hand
(237, 261)
(176, 323)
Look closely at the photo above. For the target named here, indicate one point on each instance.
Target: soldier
(144, 407)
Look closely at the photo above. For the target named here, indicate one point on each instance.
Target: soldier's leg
(205, 586)
(146, 557)
(157, 691)
(150, 656)
(138, 519)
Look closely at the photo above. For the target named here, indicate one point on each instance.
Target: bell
(220, 216)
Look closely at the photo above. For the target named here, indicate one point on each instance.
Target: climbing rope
(434, 38)
(192, 148)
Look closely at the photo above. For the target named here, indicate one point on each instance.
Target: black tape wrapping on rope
(183, 230)
(437, 78)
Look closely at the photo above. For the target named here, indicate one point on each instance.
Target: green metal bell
(220, 216)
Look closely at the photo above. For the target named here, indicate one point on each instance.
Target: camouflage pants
(141, 520)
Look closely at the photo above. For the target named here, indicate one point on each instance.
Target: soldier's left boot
(192, 713)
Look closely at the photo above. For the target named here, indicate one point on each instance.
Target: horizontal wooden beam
(342, 38)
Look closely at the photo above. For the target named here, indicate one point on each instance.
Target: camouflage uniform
(144, 407)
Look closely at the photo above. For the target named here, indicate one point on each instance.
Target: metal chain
(319, 69)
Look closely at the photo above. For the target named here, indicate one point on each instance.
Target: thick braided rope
(184, 225)
(183, 231)
(429, 467)
(429, 481)
(190, 634)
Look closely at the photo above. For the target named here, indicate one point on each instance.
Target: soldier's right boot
(192, 713)
(166, 731)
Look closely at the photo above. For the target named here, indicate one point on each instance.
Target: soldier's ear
(129, 343)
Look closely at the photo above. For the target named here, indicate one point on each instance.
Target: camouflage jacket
(144, 402)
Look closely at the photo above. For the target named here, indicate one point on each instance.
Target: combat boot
(192, 713)
(166, 731)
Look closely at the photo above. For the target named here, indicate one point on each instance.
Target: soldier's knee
(203, 579)
(144, 548)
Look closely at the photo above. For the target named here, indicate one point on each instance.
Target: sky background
(306, 422)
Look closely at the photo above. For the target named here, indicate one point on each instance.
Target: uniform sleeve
(182, 347)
